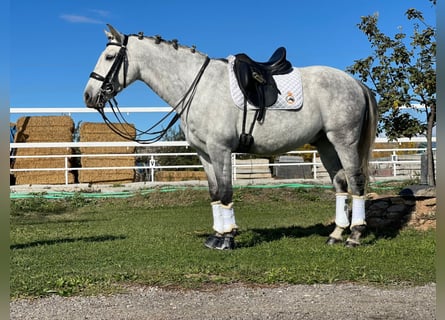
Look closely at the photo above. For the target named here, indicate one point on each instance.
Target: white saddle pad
(291, 97)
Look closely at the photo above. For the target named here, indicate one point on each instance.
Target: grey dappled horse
(338, 116)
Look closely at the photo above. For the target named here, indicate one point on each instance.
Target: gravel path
(340, 301)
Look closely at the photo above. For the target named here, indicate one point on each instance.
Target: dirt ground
(321, 302)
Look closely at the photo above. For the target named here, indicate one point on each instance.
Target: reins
(107, 88)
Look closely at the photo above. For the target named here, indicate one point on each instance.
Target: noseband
(107, 90)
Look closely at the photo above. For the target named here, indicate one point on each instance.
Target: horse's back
(337, 95)
(326, 78)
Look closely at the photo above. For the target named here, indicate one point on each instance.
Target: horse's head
(110, 74)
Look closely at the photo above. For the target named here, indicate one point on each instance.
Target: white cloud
(74, 18)
(100, 13)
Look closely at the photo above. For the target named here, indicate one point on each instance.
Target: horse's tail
(369, 129)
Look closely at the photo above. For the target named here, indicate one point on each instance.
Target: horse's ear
(108, 35)
(115, 35)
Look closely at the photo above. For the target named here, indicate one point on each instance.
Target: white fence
(399, 164)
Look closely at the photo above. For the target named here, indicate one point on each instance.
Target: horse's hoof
(354, 239)
(213, 242)
(331, 241)
(352, 243)
(226, 242)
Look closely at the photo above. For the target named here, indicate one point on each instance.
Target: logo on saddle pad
(289, 85)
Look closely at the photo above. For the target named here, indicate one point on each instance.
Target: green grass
(88, 246)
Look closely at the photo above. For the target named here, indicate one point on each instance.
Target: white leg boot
(218, 220)
(228, 217)
(358, 224)
(358, 211)
(225, 227)
(341, 218)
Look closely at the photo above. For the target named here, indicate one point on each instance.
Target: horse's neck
(167, 71)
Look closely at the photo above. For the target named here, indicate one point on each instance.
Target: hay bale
(55, 134)
(43, 129)
(34, 163)
(100, 132)
(43, 151)
(107, 150)
(45, 122)
(42, 177)
(180, 175)
(107, 176)
(108, 162)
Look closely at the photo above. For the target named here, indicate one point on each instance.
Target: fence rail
(397, 165)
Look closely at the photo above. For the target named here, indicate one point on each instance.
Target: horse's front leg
(219, 175)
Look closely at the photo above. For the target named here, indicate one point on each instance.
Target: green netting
(126, 194)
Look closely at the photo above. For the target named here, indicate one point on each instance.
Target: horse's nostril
(86, 96)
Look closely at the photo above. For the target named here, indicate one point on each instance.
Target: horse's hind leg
(356, 181)
(332, 163)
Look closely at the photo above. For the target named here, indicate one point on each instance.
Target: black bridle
(108, 92)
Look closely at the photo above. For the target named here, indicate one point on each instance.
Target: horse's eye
(110, 57)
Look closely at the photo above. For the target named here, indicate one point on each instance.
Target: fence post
(423, 169)
(66, 170)
(314, 157)
(152, 168)
(233, 167)
(394, 163)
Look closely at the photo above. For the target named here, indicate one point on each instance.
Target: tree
(403, 74)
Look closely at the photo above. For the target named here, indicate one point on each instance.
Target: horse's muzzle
(96, 103)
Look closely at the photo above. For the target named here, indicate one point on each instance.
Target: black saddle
(256, 81)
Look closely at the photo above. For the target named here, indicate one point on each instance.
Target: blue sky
(55, 43)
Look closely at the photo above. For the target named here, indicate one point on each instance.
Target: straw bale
(45, 122)
(48, 138)
(43, 129)
(101, 137)
(40, 163)
(180, 175)
(106, 150)
(57, 134)
(99, 132)
(107, 162)
(43, 151)
(42, 177)
(106, 176)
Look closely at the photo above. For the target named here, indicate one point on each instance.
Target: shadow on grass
(65, 240)
(44, 221)
(253, 237)
(386, 217)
